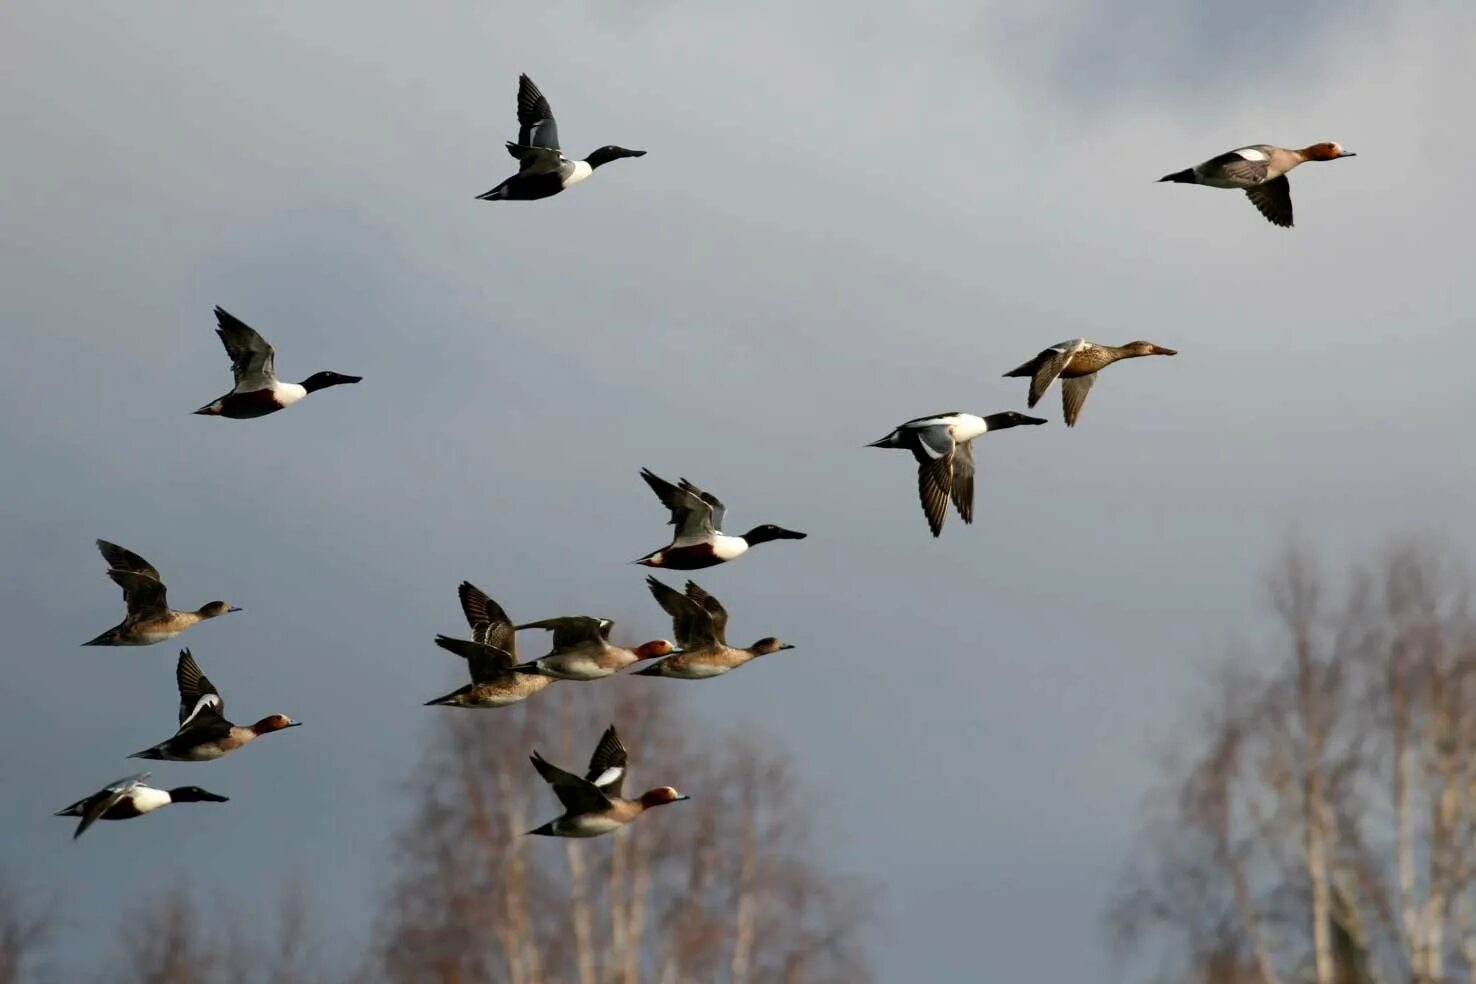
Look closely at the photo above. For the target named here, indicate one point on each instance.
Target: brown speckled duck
(700, 625)
(149, 619)
(1077, 362)
(490, 656)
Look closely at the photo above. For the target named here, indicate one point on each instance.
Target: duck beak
(233, 608)
(1033, 420)
(1160, 350)
(680, 798)
(352, 379)
(1347, 153)
(295, 724)
(785, 646)
(792, 535)
(212, 798)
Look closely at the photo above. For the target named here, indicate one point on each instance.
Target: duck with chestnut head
(593, 805)
(1260, 171)
(204, 733)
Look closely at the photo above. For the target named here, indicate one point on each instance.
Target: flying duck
(943, 445)
(149, 619)
(129, 798)
(1260, 170)
(543, 170)
(204, 733)
(258, 391)
(593, 805)
(490, 655)
(700, 625)
(698, 541)
(1077, 362)
(582, 649)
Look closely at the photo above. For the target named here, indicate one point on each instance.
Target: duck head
(768, 531)
(660, 796)
(216, 609)
(194, 794)
(274, 722)
(1325, 151)
(769, 644)
(610, 152)
(1134, 349)
(327, 378)
(654, 649)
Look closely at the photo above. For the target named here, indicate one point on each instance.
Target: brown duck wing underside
(484, 662)
(713, 608)
(934, 483)
(1073, 394)
(143, 595)
(1049, 365)
(123, 559)
(963, 482)
(1273, 200)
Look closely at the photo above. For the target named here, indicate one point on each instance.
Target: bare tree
(167, 941)
(725, 888)
(1323, 829)
(23, 936)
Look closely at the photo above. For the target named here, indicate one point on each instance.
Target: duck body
(130, 798)
(1260, 171)
(582, 650)
(1077, 361)
(943, 446)
(698, 541)
(258, 391)
(543, 170)
(593, 804)
(700, 622)
(149, 619)
(204, 733)
(491, 654)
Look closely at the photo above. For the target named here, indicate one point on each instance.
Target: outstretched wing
(578, 795)
(1073, 395)
(694, 513)
(1273, 200)
(253, 361)
(963, 481)
(97, 806)
(484, 662)
(536, 126)
(713, 608)
(123, 559)
(690, 622)
(607, 764)
(1051, 363)
(489, 623)
(571, 630)
(198, 698)
(142, 594)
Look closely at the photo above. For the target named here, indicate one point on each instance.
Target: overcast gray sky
(852, 213)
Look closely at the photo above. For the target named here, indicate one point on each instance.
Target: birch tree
(1320, 826)
(724, 888)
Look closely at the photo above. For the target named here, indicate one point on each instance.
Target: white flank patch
(581, 171)
(288, 393)
(146, 799)
(1251, 154)
(727, 547)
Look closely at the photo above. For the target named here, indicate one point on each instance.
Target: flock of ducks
(580, 649)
